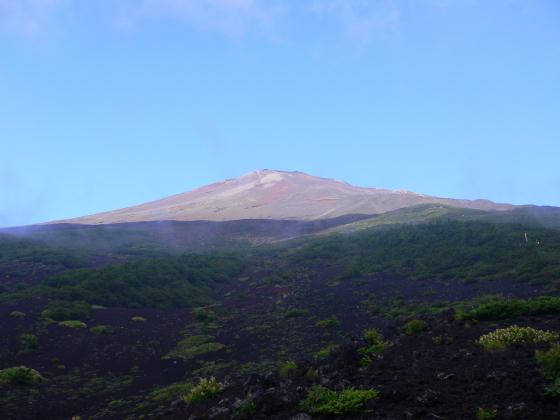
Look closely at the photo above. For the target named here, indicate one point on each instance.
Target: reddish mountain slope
(269, 194)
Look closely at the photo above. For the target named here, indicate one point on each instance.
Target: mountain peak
(275, 194)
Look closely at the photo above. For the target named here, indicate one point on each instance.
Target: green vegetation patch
(296, 313)
(329, 322)
(416, 326)
(171, 392)
(205, 389)
(29, 342)
(246, 408)
(20, 376)
(63, 310)
(501, 338)
(321, 400)
(549, 362)
(170, 282)
(102, 330)
(326, 351)
(486, 413)
(15, 249)
(503, 308)
(204, 315)
(17, 314)
(259, 368)
(74, 324)
(374, 347)
(441, 249)
(287, 369)
(193, 346)
(401, 308)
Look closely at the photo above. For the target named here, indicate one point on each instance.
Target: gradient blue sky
(105, 104)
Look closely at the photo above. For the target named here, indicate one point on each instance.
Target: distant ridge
(278, 195)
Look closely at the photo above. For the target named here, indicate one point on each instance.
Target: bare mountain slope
(269, 194)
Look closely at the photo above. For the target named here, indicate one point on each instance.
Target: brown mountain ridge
(278, 195)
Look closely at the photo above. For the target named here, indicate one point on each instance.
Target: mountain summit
(271, 194)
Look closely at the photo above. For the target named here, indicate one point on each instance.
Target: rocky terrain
(279, 195)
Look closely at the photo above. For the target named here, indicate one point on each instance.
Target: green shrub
(167, 282)
(116, 404)
(329, 322)
(321, 400)
(246, 408)
(502, 308)
(444, 248)
(501, 338)
(17, 314)
(296, 313)
(554, 389)
(326, 351)
(204, 315)
(102, 330)
(373, 336)
(375, 346)
(171, 392)
(138, 319)
(251, 368)
(438, 340)
(29, 341)
(486, 413)
(60, 310)
(416, 326)
(74, 324)
(206, 388)
(550, 361)
(20, 376)
(196, 345)
(286, 369)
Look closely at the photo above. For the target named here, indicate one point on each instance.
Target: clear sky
(110, 103)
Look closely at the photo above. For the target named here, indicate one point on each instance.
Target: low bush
(549, 361)
(375, 346)
(102, 330)
(486, 413)
(138, 319)
(286, 369)
(246, 408)
(554, 389)
(325, 352)
(416, 326)
(196, 345)
(296, 313)
(502, 308)
(329, 322)
(206, 388)
(20, 376)
(321, 400)
(501, 338)
(29, 341)
(61, 310)
(171, 392)
(204, 315)
(74, 324)
(17, 314)
(167, 282)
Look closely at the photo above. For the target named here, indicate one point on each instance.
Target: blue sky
(107, 104)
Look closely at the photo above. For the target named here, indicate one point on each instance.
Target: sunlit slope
(278, 195)
(525, 215)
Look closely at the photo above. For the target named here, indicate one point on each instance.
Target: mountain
(279, 195)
